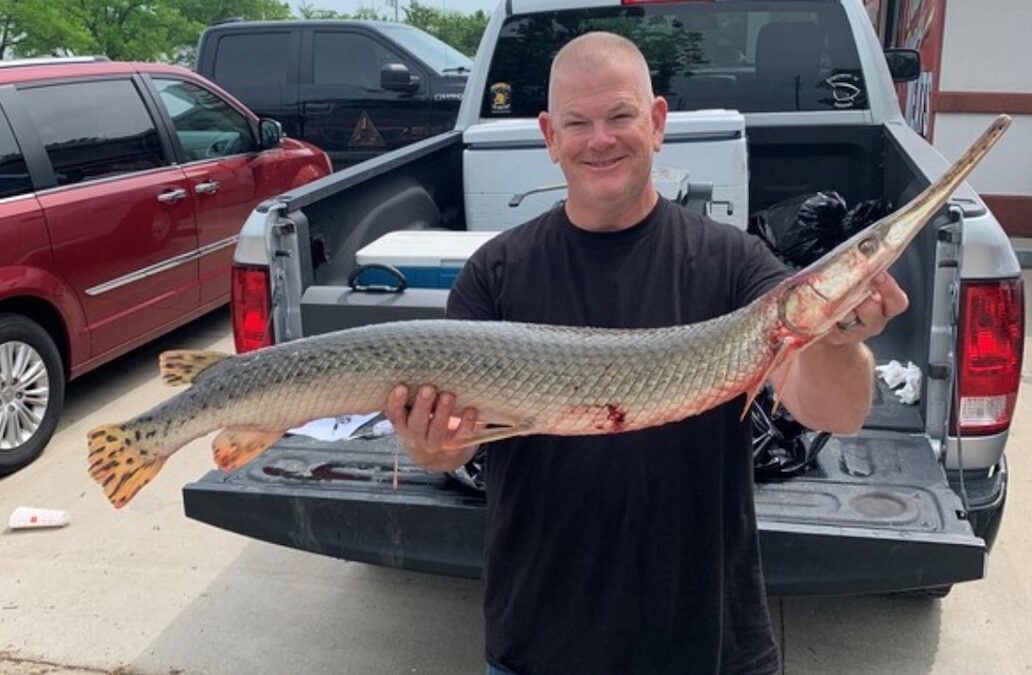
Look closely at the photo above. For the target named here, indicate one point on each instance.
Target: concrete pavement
(146, 590)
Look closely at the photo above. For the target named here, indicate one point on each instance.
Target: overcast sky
(386, 7)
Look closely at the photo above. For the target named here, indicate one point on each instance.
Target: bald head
(596, 51)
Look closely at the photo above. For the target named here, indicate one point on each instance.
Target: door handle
(172, 196)
(207, 188)
(318, 107)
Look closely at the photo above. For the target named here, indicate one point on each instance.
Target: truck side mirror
(396, 77)
(904, 64)
(270, 132)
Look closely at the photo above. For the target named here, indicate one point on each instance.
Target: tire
(32, 387)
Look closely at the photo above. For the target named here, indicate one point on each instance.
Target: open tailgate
(877, 515)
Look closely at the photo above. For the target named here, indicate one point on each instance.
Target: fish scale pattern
(547, 379)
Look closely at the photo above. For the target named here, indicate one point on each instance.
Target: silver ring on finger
(847, 326)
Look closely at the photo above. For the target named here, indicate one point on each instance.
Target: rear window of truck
(745, 55)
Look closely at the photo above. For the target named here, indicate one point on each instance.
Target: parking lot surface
(146, 590)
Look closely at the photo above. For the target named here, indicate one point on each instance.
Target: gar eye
(868, 246)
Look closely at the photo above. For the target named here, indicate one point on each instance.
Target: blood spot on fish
(615, 417)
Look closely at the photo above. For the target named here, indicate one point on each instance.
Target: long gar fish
(522, 378)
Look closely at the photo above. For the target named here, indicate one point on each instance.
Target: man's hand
(828, 385)
(869, 318)
(428, 430)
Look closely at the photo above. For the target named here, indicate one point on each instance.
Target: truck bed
(876, 515)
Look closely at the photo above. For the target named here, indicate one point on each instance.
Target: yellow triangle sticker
(366, 134)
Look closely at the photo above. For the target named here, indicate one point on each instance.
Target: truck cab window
(351, 59)
(206, 125)
(750, 56)
(94, 129)
(253, 59)
(14, 175)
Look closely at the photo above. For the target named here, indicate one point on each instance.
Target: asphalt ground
(147, 591)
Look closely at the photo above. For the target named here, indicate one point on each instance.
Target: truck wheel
(32, 384)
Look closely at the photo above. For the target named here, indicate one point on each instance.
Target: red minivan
(122, 189)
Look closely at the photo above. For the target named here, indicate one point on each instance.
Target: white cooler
(427, 258)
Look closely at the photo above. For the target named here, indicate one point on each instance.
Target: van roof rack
(51, 61)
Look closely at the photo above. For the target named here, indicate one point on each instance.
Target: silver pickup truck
(769, 99)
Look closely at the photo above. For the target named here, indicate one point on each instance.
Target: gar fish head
(827, 291)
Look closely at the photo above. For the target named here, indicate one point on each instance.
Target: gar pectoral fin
(784, 351)
(488, 434)
(120, 465)
(237, 446)
(181, 366)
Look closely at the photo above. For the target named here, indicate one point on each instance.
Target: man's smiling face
(603, 128)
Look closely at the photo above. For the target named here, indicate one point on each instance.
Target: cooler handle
(377, 288)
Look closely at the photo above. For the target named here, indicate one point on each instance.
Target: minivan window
(207, 126)
(749, 55)
(350, 59)
(253, 58)
(94, 129)
(436, 54)
(14, 174)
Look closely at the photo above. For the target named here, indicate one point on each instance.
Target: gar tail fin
(237, 446)
(181, 366)
(120, 464)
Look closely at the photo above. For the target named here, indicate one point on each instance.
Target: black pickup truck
(355, 89)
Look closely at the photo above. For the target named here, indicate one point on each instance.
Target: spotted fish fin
(181, 366)
(237, 446)
(785, 349)
(121, 465)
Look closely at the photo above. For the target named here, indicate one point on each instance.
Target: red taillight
(251, 306)
(992, 335)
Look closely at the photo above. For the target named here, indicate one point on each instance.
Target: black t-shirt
(635, 552)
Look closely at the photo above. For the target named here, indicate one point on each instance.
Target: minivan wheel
(32, 386)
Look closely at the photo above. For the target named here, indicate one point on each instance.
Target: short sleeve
(759, 272)
(470, 297)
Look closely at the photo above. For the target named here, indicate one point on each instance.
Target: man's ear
(659, 116)
(548, 131)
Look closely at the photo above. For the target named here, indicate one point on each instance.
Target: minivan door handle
(172, 196)
(207, 188)
(318, 107)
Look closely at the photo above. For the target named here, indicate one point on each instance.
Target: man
(636, 552)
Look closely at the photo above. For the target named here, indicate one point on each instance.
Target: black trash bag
(773, 222)
(864, 214)
(802, 229)
(782, 447)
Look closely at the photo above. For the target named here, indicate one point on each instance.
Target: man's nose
(601, 135)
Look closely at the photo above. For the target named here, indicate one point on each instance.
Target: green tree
(306, 11)
(33, 28)
(135, 30)
(462, 31)
(207, 12)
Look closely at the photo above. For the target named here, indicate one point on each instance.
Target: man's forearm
(828, 387)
